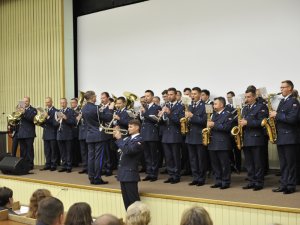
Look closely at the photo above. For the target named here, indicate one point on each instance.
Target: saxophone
(184, 128)
(206, 132)
(269, 123)
(237, 131)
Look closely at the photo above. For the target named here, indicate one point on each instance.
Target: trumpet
(110, 130)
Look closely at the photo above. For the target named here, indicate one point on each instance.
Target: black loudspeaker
(14, 166)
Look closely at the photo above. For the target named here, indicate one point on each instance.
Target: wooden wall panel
(31, 56)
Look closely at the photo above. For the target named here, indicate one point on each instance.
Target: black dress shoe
(45, 168)
(108, 173)
(224, 187)
(193, 183)
(257, 188)
(289, 191)
(248, 186)
(82, 171)
(200, 183)
(53, 169)
(153, 179)
(175, 181)
(99, 182)
(279, 189)
(142, 170)
(168, 180)
(146, 178)
(62, 170)
(69, 170)
(216, 186)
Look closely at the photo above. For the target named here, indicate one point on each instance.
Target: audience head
(195, 215)
(79, 214)
(35, 199)
(51, 211)
(6, 197)
(138, 213)
(107, 219)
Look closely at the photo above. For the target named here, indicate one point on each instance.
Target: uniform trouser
(50, 152)
(235, 156)
(108, 165)
(96, 154)
(266, 154)
(76, 156)
(65, 148)
(220, 162)
(27, 151)
(172, 154)
(14, 147)
(84, 153)
(130, 193)
(151, 155)
(198, 160)
(287, 159)
(254, 163)
(298, 164)
(185, 160)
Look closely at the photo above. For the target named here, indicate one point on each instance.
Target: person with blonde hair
(195, 215)
(138, 213)
(36, 197)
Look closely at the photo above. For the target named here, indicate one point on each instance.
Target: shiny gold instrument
(237, 131)
(184, 122)
(41, 116)
(269, 123)
(81, 99)
(206, 132)
(130, 99)
(14, 118)
(110, 130)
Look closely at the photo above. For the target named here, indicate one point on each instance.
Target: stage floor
(232, 196)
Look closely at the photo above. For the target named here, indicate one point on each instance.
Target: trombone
(110, 130)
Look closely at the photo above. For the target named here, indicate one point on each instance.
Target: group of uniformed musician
(71, 131)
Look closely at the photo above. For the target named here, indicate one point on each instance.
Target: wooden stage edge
(161, 196)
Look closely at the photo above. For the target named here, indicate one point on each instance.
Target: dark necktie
(194, 105)
(171, 106)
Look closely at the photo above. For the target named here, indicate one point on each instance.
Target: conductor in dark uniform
(49, 136)
(96, 138)
(26, 132)
(286, 125)
(131, 151)
(150, 134)
(253, 139)
(197, 151)
(220, 144)
(171, 137)
(66, 121)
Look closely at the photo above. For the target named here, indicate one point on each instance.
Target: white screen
(216, 45)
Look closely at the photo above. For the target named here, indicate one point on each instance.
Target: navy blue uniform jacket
(92, 120)
(171, 131)
(220, 133)
(150, 128)
(286, 121)
(196, 124)
(50, 126)
(132, 150)
(26, 125)
(253, 132)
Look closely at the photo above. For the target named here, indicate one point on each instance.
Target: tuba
(81, 99)
(237, 131)
(184, 122)
(130, 99)
(269, 123)
(41, 116)
(206, 131)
